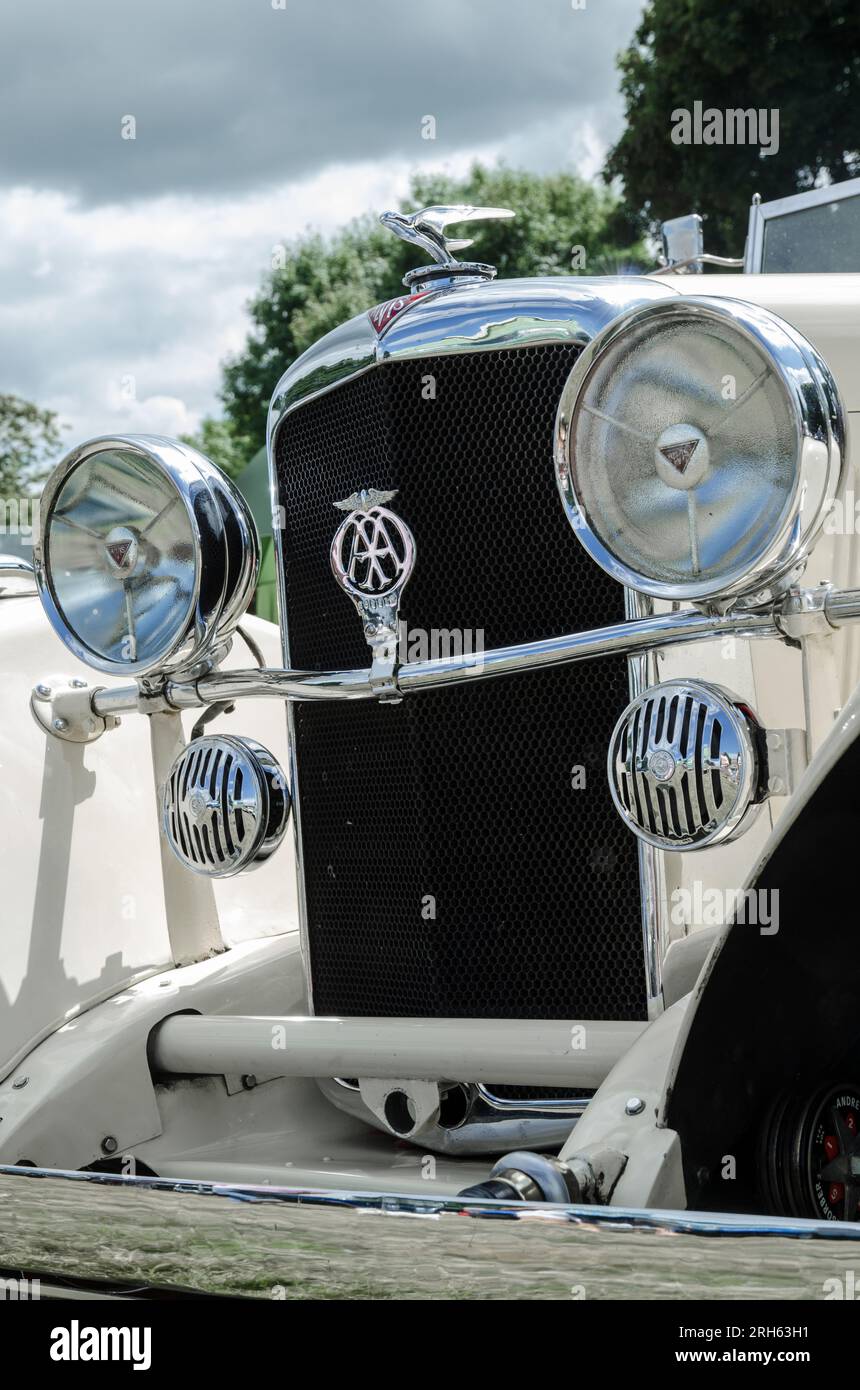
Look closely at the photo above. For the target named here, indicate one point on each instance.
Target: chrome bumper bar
(239, 1240)
(830, 609)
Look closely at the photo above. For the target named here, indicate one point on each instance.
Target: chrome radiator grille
(450, 867)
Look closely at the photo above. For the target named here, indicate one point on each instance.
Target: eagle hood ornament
(426, 228)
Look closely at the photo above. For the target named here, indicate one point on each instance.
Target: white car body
(98, 933)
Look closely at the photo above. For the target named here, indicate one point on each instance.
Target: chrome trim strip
(643, 674)
(301, 898)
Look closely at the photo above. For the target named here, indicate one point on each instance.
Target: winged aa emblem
(372, 555)
(365, 500)
(373, 551)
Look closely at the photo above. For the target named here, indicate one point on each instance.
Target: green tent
(254, 486)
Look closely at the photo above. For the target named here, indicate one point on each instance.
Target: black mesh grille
(537, 1092)
(464, 795)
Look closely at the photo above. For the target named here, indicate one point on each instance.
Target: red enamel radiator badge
(384, 314)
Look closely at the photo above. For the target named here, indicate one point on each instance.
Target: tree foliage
(220, 442)
(29, 436)
(322, 282)
(801, 60)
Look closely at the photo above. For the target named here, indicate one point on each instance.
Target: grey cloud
(243, 111)
(233, 94)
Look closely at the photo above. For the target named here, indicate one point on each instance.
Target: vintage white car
(563, 712)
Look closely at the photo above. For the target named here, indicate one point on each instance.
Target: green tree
(28, 438)
(801, 60)
(220, 442)
(322, 282)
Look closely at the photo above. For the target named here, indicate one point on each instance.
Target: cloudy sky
(126, 264)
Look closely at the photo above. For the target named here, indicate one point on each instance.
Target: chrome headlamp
(699, 443)
(147, 556)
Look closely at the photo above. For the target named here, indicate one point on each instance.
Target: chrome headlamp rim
(215, 602)
(243, 546)
(818, 417)
(746, 803)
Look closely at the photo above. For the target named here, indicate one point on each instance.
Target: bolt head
(61, 725)
(77, 684)
(109, 1144)
(43, 691)
(634, 1106)
(662, 765)
(249, 1081)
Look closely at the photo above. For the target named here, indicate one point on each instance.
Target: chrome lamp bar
(620, 639)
